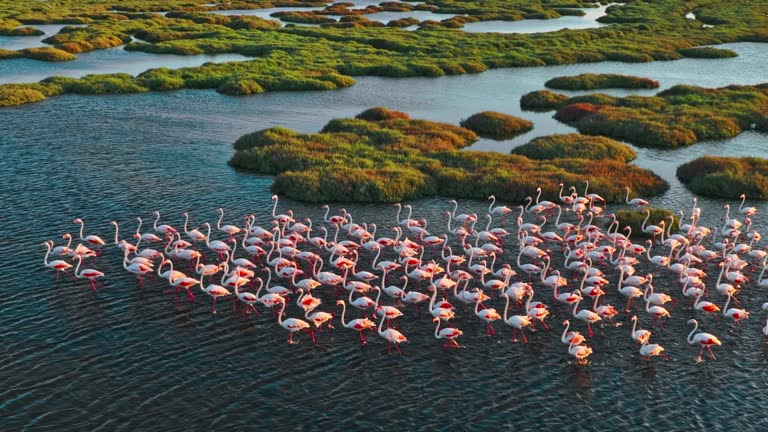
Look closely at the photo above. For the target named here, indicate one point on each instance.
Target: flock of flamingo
(417, 267)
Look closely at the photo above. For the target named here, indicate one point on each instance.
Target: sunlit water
(134, 359)
(523, 26)
(21, 42)
(112, 60)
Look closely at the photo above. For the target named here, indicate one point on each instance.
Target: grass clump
(600, 81)
(726, 177)
(634, 219)
(13, 96)
(707, 53)
(575, 146)
(394, 158)
(492, 124)
(48, 54)
(403, 22)
(21, 31)
(679, 116)
(381, 113)
(542, 100)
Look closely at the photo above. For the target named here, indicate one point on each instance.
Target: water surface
(111, 60)
(131, 359)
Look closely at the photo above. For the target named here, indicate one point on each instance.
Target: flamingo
(360, 324)
(637, 202)
(704, 340)
(438, 312)
(448, 333)
(88, 273)
(293, 324)
(121, 244)
(705, 306)
(250, 299)
(162, 229)
(392, 336)
(195, 235)
(640, 336)
(147, 237)
(650, 350)
(67, 250)
(580, 352)
(571, 337)
(333, 219)
(736, 315)
(229, 230)
(489, 315)
(462, 218)
(58, 265)
(217, 246)
(93, 240)
(585, 315)
(747, 211)
(656, 298)
(281, 218)
(137, 269)
(517, 322)
(214, 291)
(657, 312)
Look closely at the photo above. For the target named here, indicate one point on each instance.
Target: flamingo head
(566, 322)
(78, 220)
(274, 197)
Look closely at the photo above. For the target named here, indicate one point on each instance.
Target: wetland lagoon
(146, 118)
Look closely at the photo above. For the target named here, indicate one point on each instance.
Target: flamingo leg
(545, 325)
(514, 335)
(362, 339)
(709, 348)
(93, 285)
(290, 338)
(213, 308)
(397, 347)
(525, 339)
(589, 329)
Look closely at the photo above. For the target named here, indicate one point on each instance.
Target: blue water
(112, 60)
(135, 359)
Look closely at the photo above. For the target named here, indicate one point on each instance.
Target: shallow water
(129, 359)
(110, 60)
(541, 26)
(21, 42)
(523, 26)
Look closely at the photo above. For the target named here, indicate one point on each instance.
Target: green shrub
(541, 100)
(575, 146)
(10, 96)
(600, 81)
(10, 54)
(381, 113)
(496, 125)
(707, 52)
(48, 54)
(679, 116)
(21, 31)
(391, 158)
(726, 177)
(240, 87)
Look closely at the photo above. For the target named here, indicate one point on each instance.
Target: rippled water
(21, 42)
(523, 26)
(110, 60)
(134, 359)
